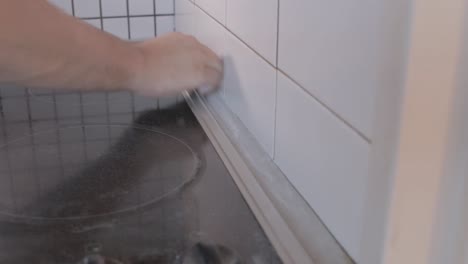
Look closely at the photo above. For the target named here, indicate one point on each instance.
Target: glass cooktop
(113, 178)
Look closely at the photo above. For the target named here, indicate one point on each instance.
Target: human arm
(42, 47)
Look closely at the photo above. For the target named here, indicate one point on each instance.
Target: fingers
(213, 70)
(177, 62)
(213, 79)
(212, 59)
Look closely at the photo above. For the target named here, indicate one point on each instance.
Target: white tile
(164, 6)
(94, 104)
(142, 28)
(18, 157)
(250, 88)
(42, 132)
(68, 105)
(121, 118)
(209, 32)
(325, 160)
(47, 156)
(256, 23)
(65, 5)
(15, 109)
(333, 50)
(18, 130)
(87, 8)
(96, 132)
(120, 102)
(94, 117)
(114, 7)
(9, 91)
(43, 108)
(72, 153)
(97, 149)
(94, 22)
(145, 103)
(141, 7)
(71, 135)
(117, 27)
(166, 102)
(164, 25)
(185, 17)
(216, 8)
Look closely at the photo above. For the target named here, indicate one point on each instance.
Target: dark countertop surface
(116, 179)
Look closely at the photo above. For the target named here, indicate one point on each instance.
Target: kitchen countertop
(116, 178)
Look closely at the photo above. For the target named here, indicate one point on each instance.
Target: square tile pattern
(126, 19)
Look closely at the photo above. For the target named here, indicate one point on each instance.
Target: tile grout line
(275, 128)
(124, 16)
(235, 35)
(58, 135)
(73, 7)
(127, 2)
(276, 88)
(33, 141)
(129, 35)
(7, 154)
(155, 34)
(277, 33)
(83, 129)
(329, 109)
(100, 15)
(106, 94)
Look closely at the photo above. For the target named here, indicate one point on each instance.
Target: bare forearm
(42, 47)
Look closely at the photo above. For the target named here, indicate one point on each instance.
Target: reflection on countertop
(116, 178)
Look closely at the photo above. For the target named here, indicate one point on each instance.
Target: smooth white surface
(65, 5)
(216, 8)
(123, 102)
(87, 8)
(210, 32)
(114, 7)
(164, 6)
(333, 49)
(325, 160)
(256, 23)
(117, 27)
(250, 88)
(141, 28)
(94, 22)
(164, 25)
(68, 105)
(141, 7)
(15, 109)
(185, 17)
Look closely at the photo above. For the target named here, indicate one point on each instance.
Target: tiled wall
(302, 76)
(127, 19)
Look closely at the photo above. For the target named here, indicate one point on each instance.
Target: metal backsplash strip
(294, 229)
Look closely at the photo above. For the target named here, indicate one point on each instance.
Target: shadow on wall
(232, 89)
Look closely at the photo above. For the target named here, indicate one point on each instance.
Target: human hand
(175, 63)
